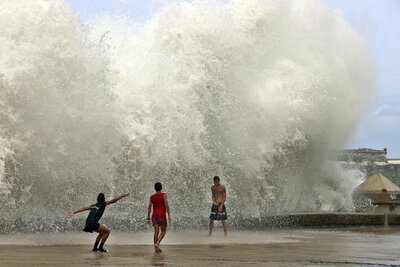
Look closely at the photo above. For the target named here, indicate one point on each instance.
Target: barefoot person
(218, 210)
(160, 207)
(92, 221)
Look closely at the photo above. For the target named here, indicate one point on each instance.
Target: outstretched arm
(116, 199)
(148, 213)
(71, 213)
(167, 207)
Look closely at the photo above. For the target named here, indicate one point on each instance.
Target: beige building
(377, 194)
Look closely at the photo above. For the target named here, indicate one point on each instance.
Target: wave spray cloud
(256, 92)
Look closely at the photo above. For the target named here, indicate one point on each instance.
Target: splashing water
(257, 92)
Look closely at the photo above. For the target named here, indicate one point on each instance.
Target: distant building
(370, 161)
(362, 155)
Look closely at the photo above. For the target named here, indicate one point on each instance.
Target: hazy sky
(378, 21)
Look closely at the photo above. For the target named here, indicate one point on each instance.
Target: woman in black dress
(92, 221)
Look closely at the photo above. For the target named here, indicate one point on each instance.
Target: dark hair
(100, 198)
(158, 186)
(216, 178)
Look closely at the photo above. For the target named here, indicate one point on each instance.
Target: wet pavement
(355, 246)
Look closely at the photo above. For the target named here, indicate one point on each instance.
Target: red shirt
(158, 205)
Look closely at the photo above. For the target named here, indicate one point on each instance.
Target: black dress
(92, 221)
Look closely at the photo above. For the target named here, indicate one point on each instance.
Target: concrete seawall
(137, 224)
(316, 220)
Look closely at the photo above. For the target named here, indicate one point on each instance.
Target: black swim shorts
(216, 215)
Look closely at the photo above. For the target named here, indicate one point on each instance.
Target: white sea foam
(257, 92)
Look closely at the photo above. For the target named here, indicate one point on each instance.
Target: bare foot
(157, 248)
(209, 234)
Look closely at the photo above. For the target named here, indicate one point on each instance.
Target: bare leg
(163, 231)
(104, 232)
(99, 237)
(96, 243)
(156, 231)
(224, 225)
(211, 227)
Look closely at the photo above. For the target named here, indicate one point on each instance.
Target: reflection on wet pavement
(356, 246)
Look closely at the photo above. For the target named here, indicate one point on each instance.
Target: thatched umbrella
(376, 190)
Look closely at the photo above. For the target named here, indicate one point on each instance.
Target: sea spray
(56, 103)
(257, 92)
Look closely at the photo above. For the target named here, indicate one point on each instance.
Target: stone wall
(390, 170)
(362, 155)
(370, 161)
(65, 225)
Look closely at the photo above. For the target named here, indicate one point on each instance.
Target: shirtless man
(218, 210)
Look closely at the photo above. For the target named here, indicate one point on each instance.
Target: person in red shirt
(160, 207)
